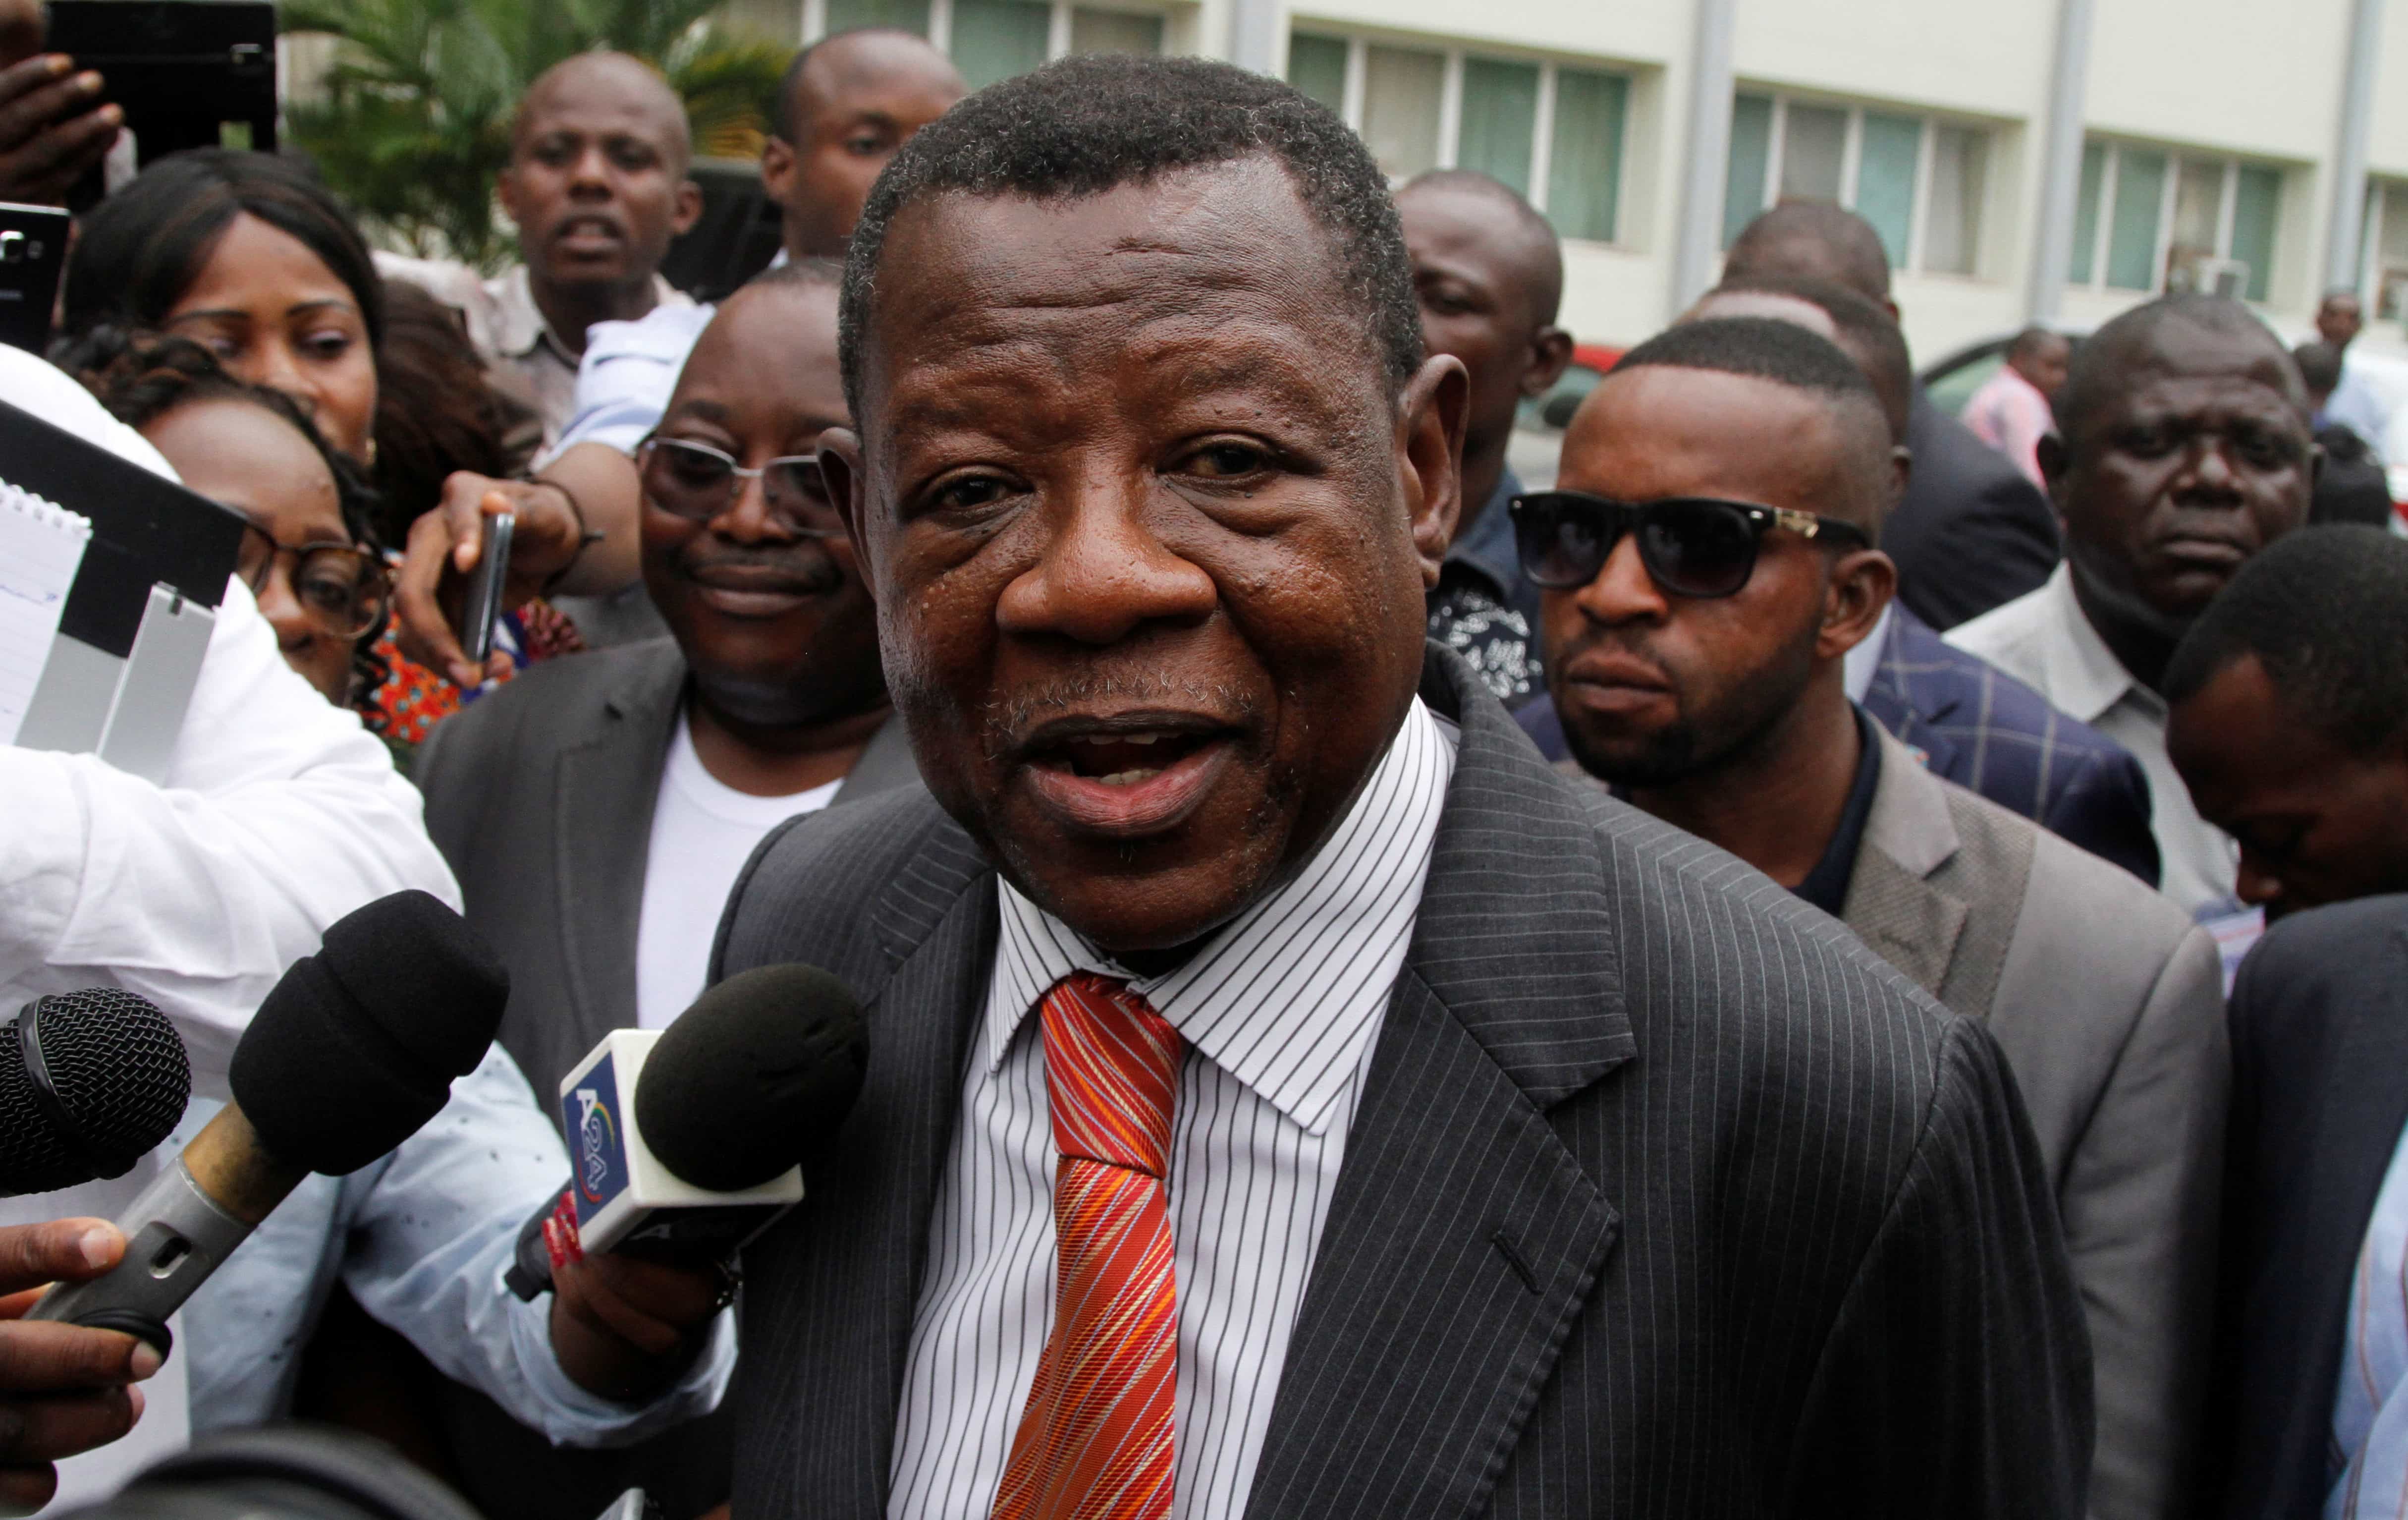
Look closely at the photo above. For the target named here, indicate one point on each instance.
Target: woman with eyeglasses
(250, 257)
(308, 554)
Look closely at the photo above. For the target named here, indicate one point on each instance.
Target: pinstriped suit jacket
(1664, 1197)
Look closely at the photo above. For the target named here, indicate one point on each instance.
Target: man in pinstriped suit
(1286, 1095)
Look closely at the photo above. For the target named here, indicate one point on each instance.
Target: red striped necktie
(1096, 1437)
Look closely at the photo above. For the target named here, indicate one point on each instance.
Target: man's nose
(2255, 885)
(2211, 472)
(749, 518)
(1622, 591)
(589, 172)
(1102, 572)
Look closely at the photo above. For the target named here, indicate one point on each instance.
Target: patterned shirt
(1484, 609)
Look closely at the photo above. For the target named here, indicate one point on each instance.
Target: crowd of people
(1732, 985)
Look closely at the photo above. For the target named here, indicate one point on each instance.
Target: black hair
(2319, 367)
(140, 377)
(2029, 340)
(785, 122)
(2101, 366)
(1846, 245)
(436, 412)
(1863, 326)
(1091, 123)
(1760, 348)
(2326, 612)
(140, 250)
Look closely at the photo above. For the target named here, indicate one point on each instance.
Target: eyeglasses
(1692, 546)
(341, 588)
(698, 482)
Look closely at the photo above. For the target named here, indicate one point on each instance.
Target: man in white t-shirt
(599, 809)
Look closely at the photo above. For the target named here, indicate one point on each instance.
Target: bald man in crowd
(596, 185)
(1972, 533)
(2181, 449)
(1489, 274)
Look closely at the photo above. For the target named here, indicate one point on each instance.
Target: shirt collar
(519, 327)
(1487, 546)
(1279, 998)
(2084, 678)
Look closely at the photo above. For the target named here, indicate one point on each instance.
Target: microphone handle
(179, 1231)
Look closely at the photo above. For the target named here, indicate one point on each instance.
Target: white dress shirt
(278, 814)
(1280, 1010)
(629, 371)
(2042, 640)
(2370, 1416)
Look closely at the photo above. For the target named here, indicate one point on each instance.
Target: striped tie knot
(1112, 1070)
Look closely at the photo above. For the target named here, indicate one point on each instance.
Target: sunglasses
(1692, 546)
(342, 588)
(698, 482)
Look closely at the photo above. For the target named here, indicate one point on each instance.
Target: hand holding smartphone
(484, 606)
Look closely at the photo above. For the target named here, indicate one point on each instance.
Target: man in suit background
(597, 817)
(2290, 722)
(1724, 711)
(1489, 273)
(1479, 1190)
(2181, 449)
(1969, 721)
(1972, 532)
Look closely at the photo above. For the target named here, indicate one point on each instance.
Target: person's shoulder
(827, 874)
(1999, 634)
(37, 387)
(2004, 701)
(544, 707)
(2331, 944)
(2086, 906)
(666, 334)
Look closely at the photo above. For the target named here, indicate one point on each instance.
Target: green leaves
(412, 124)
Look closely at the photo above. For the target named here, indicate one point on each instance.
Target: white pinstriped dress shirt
(1281, 1012)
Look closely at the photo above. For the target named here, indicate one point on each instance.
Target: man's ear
(841, 467)
(1429, 455)
(1550, 354)
(1862, 584)
(778, 160)
(506, 190)
(689, 206)
(1902, 474)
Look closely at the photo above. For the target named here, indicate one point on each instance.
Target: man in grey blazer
(1723, 710)
(596, 809)
(1286, 1097)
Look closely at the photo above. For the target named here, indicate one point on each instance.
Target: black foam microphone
(352, 1052)
(90, 1081)
(726, 1102)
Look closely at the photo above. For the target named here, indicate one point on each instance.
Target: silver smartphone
(483, 608)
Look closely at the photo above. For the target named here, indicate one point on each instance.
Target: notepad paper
(41, 547)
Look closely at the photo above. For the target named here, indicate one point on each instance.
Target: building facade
(2053, 158)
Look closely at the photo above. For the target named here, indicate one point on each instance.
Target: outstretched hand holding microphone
(63, 1388)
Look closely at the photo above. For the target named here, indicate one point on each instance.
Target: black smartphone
(33, 254)
(483, 608)
(187, 73)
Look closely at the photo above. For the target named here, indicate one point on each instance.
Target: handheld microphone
(90, 1081)
(352, 1052)
(726, 1103)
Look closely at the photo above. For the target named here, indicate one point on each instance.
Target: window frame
(1057, 26)
(1927, 156)
(1449, 105)
(2227, 210)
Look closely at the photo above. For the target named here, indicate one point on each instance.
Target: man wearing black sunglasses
(1707, 569)
(597, 816)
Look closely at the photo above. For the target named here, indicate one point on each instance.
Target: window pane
(2085, 214)
(1584, 165)
(2199, 206)
(779, 21)
(1886, 179)
(1952, 231)
(1401, 90)
(1317, 66)
(1813, 142)
(2256, 210)
(995, 39)
(910, 15)
(1114, 31)
(1500, 111)
(2132, 236)
(1751, 146)
(2391, 249)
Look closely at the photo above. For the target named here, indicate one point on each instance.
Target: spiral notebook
(41, 548)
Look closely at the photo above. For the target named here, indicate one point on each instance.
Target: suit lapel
(1464, 1237)
(603, 823)
(1892, 903)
